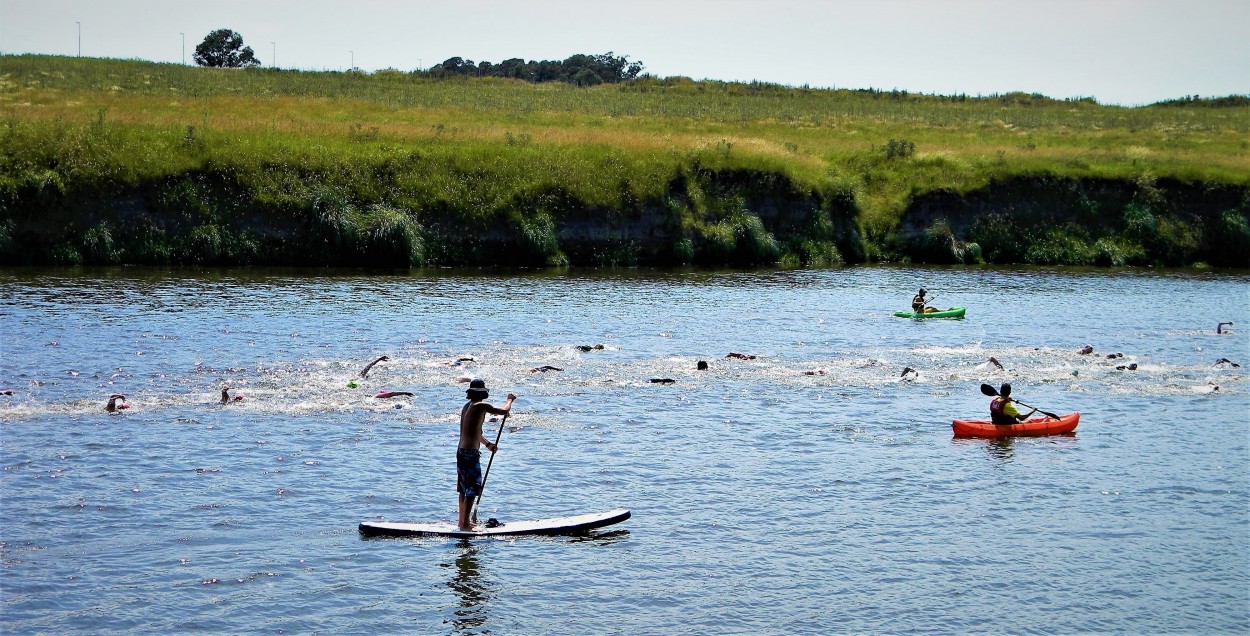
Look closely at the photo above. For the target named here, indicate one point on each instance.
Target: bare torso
(471, 418)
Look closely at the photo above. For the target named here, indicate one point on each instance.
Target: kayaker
(468, 451)
(918, 303)
(1003, 409)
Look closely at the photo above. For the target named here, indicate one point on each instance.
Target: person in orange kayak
(1003, 409)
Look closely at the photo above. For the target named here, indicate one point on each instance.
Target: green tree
(224, 48)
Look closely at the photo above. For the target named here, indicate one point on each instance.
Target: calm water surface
(765, 500)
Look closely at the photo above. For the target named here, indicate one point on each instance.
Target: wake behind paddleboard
(560, 525)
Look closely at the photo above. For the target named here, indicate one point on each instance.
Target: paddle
(490, 461)
(989, 390)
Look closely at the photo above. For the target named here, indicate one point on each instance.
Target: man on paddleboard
(468, 453)
(1003, 409)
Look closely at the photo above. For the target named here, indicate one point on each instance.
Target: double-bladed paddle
(989, 390)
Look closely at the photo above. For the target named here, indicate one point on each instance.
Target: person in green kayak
(918, 303)
(1003, 409)
(468, 452)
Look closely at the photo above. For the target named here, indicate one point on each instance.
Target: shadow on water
(472, 590)
(1001, 448)
(604, 538)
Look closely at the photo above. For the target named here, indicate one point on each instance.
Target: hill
(107, 161)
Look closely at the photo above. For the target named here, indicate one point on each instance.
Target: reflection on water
(474, 593)
(1000, 448)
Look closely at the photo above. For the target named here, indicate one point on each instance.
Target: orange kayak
(1036, 426)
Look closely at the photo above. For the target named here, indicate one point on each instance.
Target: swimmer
(226, 398)
(365, 371)
(113, 406)
(994, 361)
(1128, 367)
(384, 394)
(1220, 327)
(1218, 363)
(740, 356)
(662, 381)
(1086, 350)
(907, 370)
(459, 361)
(1115, 355)
(701, 366)
(585, 348)
(545, 368)
(814, 372)
(6, 391)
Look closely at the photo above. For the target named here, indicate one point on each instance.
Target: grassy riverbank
(128, 161)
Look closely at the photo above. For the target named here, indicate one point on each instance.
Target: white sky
(1127, 52)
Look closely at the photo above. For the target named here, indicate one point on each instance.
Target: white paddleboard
(560, 525)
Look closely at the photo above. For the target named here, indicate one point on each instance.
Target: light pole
(184, 48)
(274, 61)
(79, 38)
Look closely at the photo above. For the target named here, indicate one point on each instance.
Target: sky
(1128, 52)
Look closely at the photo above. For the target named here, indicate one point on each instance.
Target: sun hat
(477, 390)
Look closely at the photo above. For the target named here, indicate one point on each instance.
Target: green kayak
(953, 312)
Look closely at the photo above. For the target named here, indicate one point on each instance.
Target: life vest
(997, 415)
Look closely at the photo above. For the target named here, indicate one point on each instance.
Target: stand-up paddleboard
(561, 525)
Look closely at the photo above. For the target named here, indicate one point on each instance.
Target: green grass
(498, 151)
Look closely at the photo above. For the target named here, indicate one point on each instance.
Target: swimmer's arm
(365, 371)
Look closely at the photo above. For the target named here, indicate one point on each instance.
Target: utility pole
(79, 38)
(353, 60)
(274, 62)
(184, 48)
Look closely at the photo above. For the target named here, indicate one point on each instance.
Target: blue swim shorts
(468, 471)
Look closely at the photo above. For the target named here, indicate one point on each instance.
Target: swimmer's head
(702, 366)
(477, 390)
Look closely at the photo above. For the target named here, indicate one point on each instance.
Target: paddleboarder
(468, 452)
(1003, 408)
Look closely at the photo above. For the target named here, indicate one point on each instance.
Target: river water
(764, 499)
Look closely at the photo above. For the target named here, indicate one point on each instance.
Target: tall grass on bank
(263, 165)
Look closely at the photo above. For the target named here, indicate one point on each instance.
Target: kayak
(562, 525)
(953, 312)
(1036, 426)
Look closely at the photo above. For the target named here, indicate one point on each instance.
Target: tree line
(225, 48)
(580, 69)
